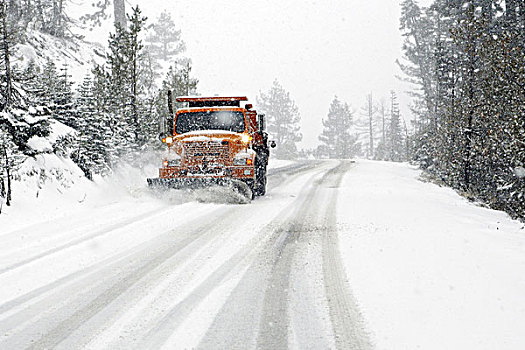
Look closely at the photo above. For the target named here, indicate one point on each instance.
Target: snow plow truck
(214, 141)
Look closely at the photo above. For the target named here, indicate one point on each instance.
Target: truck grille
(198, 151)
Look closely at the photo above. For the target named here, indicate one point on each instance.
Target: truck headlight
(245, 138)
(168, 140)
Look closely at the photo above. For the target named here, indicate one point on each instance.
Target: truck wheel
(245, 188)
(252, 185)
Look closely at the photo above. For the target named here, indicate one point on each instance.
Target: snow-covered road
(207, 275)
(337, 255)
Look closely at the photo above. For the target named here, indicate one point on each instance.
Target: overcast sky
(315, 49)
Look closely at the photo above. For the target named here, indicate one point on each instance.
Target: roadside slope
(430, 269)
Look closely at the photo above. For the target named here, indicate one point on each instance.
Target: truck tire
(245, 188)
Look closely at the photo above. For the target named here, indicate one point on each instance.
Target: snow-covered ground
(430, 269)
(77, 56)
(333, 255)
(52, 187)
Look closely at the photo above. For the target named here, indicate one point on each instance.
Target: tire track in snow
(237, 323)
(97, 233)
(163, 330)
(288, 170)
(294, 168)
(53, 326)
(347, 321)
(258, 301)
(250, 252)
(275, 318)
(50, 327)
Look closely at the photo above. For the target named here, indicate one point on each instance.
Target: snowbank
(45, 144)
(430, 269)
(78, 56)
(48, 187)
(278, 163)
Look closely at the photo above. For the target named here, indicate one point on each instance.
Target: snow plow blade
(196, 183)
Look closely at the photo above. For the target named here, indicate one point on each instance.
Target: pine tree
(89, 148)
(283, 120)
(179, 80)
(47, 86)
(48, 16)
(395, 149)
(368, 123)
(8, 93)
(18, 121)
(338, 142)
(468, 60)
(136, 118)
(10, 160)
(110, 127)
(63, 108)
(33, 86)
(380, 151)
(119, 13)
(13, 94)
(126, 93)
(165, 42)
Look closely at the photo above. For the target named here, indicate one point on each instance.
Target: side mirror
(162, 136)
(272, 144)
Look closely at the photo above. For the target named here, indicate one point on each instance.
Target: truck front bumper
(235, 172)
(179, 178)
(191, 183)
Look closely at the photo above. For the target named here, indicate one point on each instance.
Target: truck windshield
(210, 120)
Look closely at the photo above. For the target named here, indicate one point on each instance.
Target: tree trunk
(119, 11)
(371, 131)
(471, 52)
(5, 45)
(2, 193)
(60, 25)
(522, 14)
(510, 13)
(8, 173)
(487, 10)
(393, 112)
(383, 114)
(8, 194)
(407, 145)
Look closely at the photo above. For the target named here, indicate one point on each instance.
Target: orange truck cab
(215, 141)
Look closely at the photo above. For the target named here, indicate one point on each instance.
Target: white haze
(315, 49)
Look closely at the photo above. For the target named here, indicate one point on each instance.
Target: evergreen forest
(467, 62)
